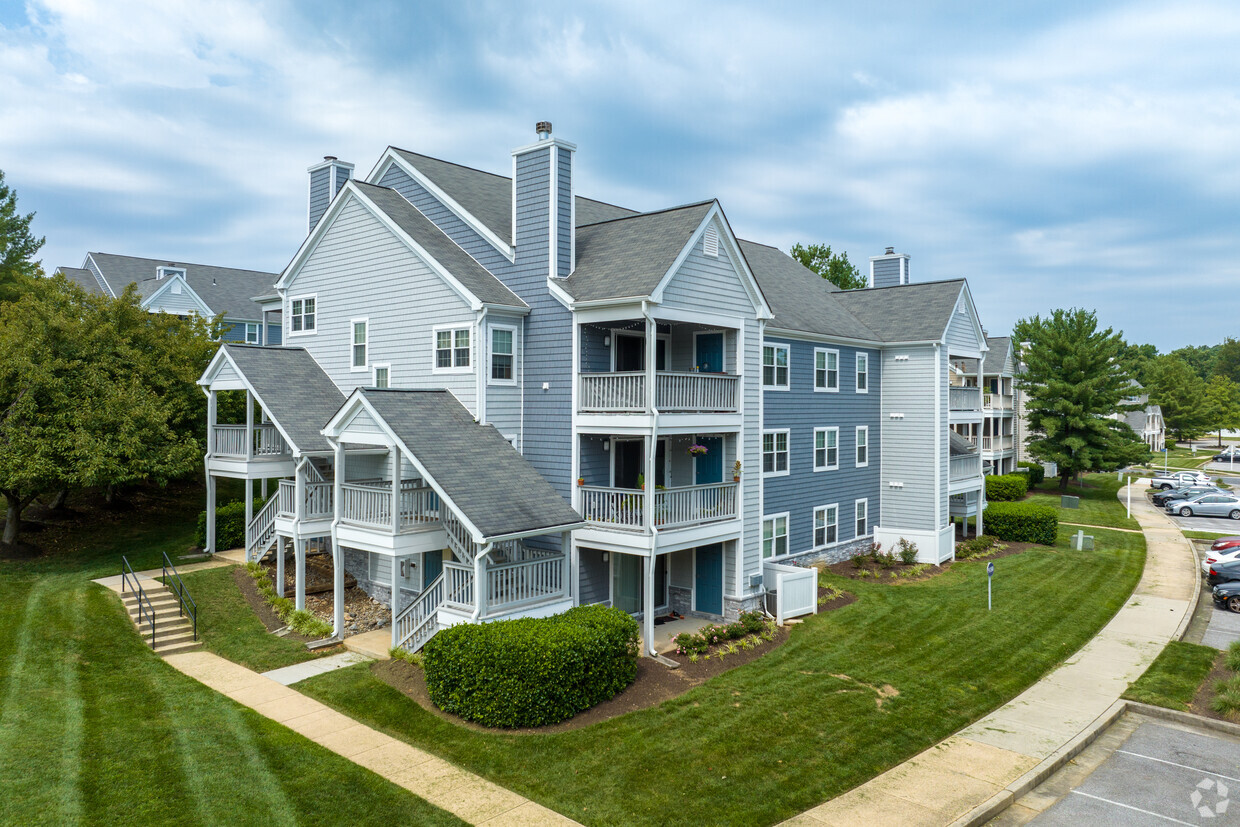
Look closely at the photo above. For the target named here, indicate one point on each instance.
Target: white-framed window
(863, 446)
(775, 367)
(826, 525)
(252, 334)
(775, 453)
(826, 449)
(452, 350)
(862, 510)
(359, 343)
(303, 315)
(863, 373)
(826, 370)
(774, 535)
(382, 377)
(503, 356)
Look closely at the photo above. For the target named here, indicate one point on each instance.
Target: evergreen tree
(1176, 387)
(1227, 360)
(17, 246)
(1074, 382)
(835, 268)
(1222, 405)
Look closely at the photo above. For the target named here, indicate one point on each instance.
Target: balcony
(996, 402)
(964, 399)
(265, 442)
(373, 506)
(965, 467)
(317, 504)
(675, 392)
(624, 508)
(996, 443)
(507, 586)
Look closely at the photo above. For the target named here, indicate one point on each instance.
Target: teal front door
(708, 582)
(709, 357)
(708, 467)
(432, 565)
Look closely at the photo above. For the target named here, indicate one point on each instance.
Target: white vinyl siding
(863, 446)
(774, 536)
(774, 453)
(826, 525)
(775, 367)
(826, 449)
(826, 370)
(303, 315)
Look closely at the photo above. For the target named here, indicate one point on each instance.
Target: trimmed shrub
(1036, 472)
(532, 671)
(1006, 488)
(229, 524)
(1022, 522)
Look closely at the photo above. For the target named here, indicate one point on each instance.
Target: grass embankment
(95, 729)
(1099, 501)
(807, 721)
(1208, 535)
(1174, 676)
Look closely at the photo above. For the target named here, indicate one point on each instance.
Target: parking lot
(1160, 774)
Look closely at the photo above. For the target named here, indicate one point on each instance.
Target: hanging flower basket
(697, 450)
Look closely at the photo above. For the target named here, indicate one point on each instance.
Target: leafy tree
(17, 246)
(94, 391)
(835, 268)
(1222, 404)
(1173, 385)
(1136, 358)
(1227, 362)
(1201, 358)
(1074, 383)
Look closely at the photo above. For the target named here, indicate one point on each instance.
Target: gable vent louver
(710, 242)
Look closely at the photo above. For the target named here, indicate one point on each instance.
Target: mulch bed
(259, 605)
(1205, 693)
(852, 569)
(655, 684)
(838, 602)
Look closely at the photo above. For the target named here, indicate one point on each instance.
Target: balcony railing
(674, 392)
(372, 505)
(966, 467)
(673, 507)
(964, 399)
(996, 443)
(996, 402)
(266, 442)
(316, 506)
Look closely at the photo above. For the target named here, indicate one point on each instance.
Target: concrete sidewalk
(950, 779)
(461, 793)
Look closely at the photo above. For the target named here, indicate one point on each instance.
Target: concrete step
(162, 649)
(166, 621)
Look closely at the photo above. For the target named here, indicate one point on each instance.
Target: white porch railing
(419, 621)
(511, 584)
(966, 467)
(458, 581)
(694, 504)
(317, 506)
(230, 441)
(613, 506)
(612, 392)
(996, 402)
(996, 443)
(371, 506)
(695, 392)
(261, 531)
(964, 399)
(268, 442)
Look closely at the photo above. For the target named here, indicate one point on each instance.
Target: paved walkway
(951, 778)
(114, 582)
(289, 675)
(461, 793)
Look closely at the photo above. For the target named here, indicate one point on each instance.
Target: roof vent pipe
(543, 128)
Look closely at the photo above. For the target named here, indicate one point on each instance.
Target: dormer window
(162, 273)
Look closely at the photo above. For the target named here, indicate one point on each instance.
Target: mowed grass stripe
(74, 705)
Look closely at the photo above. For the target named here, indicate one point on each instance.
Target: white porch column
(570, 565)
(395, 599)
(981, 505)
(280, 566)
(337, 556)
(648, 603)
(249, 426)
(249, 511)
(263, 489)
(210, 549)
(396, 462)
(212, 417)
(299, 574)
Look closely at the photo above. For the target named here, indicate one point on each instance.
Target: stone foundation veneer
(357, 563)
(834, 554)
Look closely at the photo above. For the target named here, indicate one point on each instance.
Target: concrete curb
(1182, 629)
(1186, 718)
(1003, 799)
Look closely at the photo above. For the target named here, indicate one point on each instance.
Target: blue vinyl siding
(886, 272)
(564, 213)
(801, 410)
(275, 333)
(233, 332)
(320, 194)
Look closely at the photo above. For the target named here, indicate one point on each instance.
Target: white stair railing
(462, 545)
(261, 531)
(419, 621)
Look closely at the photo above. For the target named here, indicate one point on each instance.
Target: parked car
(1223, 573)
(1188, 493)
(1206, 505)
(1227, 595)
(1179, 479)
(1224, 543)
(1227, 455)
(1225, 555)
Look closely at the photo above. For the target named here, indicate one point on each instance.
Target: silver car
(1207, 505)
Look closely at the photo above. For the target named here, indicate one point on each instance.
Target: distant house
(1147, 421)
(245, 298)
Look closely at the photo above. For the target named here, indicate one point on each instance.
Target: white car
(1213, 557)
(1179, 479)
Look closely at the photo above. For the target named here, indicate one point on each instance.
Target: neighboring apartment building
(1146, 421)
(245, 298)
(499, 398)
(997, 435)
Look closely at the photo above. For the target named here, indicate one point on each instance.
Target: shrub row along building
(494, 397)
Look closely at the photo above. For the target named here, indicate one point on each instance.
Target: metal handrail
(126, 573)
(187, 605)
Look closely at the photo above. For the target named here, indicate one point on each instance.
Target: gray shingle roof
(993, 362)
(629, 256)
(476, 278)
(496, 488)
(906, 313)
(82, 278)
(224, 289)
(958, 445)
(488, 197)
(296, 392)
(799, 297)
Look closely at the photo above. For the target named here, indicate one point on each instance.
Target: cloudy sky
(1055, 154)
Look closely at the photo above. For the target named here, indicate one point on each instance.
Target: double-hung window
(863, 446)
(452, 349)
(251, 334)
(774, 536)
(863, 518)
(826, 449)
(826, 370)
(826, 525)
(303, 315)
(774, 453)
(775, 367)
(360, 343)
(502, 343)
(863, 373)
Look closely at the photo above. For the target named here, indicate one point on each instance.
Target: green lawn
(95, 729)
(1099, 503)
(774, 737)
(229, 628)
(1175, 675)
(1208, 535)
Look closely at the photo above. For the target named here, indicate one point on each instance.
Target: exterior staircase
(260, 534)
(160, 621)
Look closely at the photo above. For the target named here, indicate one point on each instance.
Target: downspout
(938, 442)
(652, 452)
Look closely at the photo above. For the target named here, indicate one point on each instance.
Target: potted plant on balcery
(736, 471)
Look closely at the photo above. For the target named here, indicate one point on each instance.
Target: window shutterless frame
(252, 333)
(863, 373)
(503, 355)
(775, 367)
(359, 344)
(382, 376)
(863, 446)
(826, 370)
(774, 535)
(861, 510)
(775, 453)
(452, 349)
(826, 525)
(303, 315)
(826, 449)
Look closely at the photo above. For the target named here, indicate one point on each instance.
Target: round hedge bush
(229, 525)
(1006, 488)
(532, 671)
(1035, 471)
